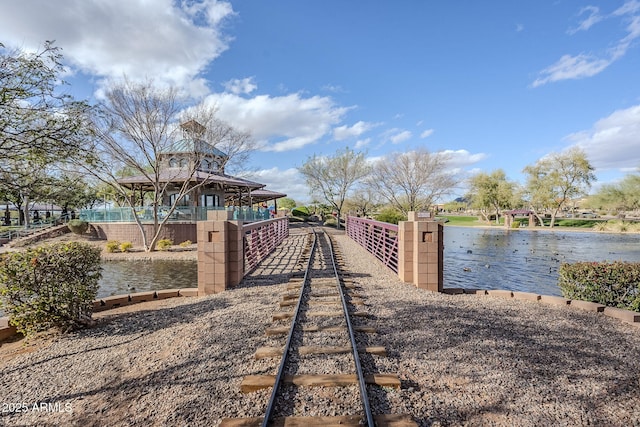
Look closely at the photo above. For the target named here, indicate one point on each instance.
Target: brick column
(420, 252)
(220, 253)
(405, 251)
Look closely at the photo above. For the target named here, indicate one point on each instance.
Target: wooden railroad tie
(387, 420)
(292, 302)
(252, 383)
(268, 352)
(289, 314)
(284, 330)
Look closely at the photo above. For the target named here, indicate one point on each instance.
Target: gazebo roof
(190, 146)
(519, 212)
(179, 176)
(262, 195)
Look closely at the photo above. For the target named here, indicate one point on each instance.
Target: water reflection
(525, 260)
(124, 277)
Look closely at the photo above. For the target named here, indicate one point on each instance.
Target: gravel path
(463, 360)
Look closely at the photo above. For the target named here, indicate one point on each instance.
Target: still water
(125, 277)
(525, 260)
(495, 258)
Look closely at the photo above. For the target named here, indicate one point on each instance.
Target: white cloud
(288, 181)
(572, 67)
(629, 7)
(279, 123)
(587, 65)
(240, 86)
(593, 17)
(463, 158)
(344, 132)
(395, 136)
(361, 143)
(613, 142)
(333, 88)
(401, 137)
(170, 41)
(427, 133)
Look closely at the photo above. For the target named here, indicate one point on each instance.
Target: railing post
(220, 253)
(420, 252)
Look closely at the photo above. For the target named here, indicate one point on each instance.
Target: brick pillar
(220, 253)
(421, 247)
(405, 251)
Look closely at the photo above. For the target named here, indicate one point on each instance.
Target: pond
(474, 258)
(125, 277)
(525, 260)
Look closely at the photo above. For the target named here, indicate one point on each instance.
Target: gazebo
(190, 162)
(509, 217)
(194, 161)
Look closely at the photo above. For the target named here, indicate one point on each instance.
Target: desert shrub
(164, 244)
(390, 215)
(600, 226)
(78, 226)
(50, 286)
(112, 246)
(614, 284)
(186, 243)
(125, 246)
(331, 222)
(300, 211)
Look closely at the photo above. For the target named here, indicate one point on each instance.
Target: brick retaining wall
(129, 232)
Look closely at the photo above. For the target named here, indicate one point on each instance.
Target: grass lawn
(462, 220)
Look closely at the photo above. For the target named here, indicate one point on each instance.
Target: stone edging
(107, 303)
(628, 316)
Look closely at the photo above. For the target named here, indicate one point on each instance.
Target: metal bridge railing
(260, 238)
(378, 238)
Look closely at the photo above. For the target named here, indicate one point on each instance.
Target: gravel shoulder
(463, 359)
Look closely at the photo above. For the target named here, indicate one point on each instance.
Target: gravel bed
(463, 359)
(470, 360)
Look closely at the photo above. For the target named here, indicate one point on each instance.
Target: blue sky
(496, 84)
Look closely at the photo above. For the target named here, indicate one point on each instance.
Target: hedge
(614, 284)
(50, 286)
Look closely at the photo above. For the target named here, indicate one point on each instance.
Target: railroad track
(320, 379)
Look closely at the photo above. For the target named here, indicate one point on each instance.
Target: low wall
(177, 232)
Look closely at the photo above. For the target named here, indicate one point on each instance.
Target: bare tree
(412, 181)
(135, 125)
(333, 177)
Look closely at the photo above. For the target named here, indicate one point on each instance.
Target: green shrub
(126, 246)
(164, 244)
(515, 224)
(331, 222)
(301, 211)
(390, 215)
(112, 246)
(50, 286)
(614, 284)
(186, 244)
(78, 226)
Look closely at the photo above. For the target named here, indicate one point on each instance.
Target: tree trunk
(26, 212)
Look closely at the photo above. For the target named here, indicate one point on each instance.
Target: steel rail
(354, 348)
(285, 354)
